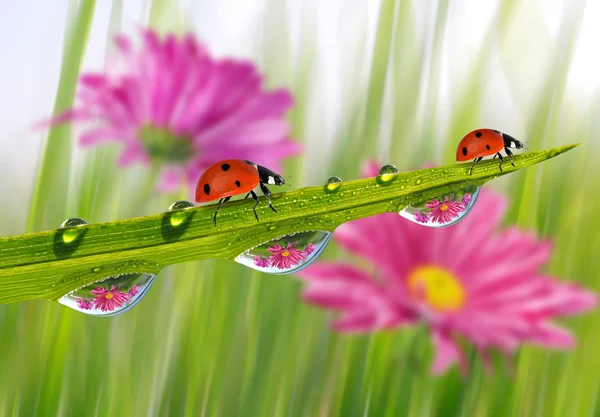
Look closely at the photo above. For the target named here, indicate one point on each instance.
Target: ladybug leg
(255, 197)
(510, 155)
(475, 163)
(222, 202)
(501, 161)
(267, 193)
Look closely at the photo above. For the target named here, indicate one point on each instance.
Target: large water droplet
(287, 254)
(333, 185)
(387, 174)
(111, 296)
(444, 210)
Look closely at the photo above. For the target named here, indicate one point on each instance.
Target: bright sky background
(31, 48)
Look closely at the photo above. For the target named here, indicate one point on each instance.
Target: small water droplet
(272, 227)
(444, 210)
(111, 296)
(333, 185)
(387, 174)
(72, 230)
(419, 181)
(73, 221)
(287, 254)
(181, 205)
(96, 269)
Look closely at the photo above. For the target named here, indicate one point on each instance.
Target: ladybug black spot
(225, 167)
(206, 189)
(487, 147)
(249, 162)
(238, 183)
(478, 134)
(464, 151)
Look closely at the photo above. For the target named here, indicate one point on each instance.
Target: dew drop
(181, 205)
(387, 174)
(73, 221)
(287, 254)
(444, 210)
(111, 296)
(176, 221)
(72, 232)
(333, 185)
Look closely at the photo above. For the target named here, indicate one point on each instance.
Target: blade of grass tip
(53, 173)
(407, 66)
(427, 142)
(166, 15)
(377, 81)
(98, 169)
(279, 71)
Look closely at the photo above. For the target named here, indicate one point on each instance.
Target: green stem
(52, 263)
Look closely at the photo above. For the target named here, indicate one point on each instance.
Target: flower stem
(52, 263)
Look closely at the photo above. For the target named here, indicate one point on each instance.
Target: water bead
(73, 221)
(444, 210)
(181, 205)
(286, 254)
(333, 185)
(111, 296)
(387, 174)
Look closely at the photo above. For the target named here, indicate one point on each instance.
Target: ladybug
(484, 142)
(232, 177)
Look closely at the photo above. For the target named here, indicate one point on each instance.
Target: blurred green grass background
(217, 339)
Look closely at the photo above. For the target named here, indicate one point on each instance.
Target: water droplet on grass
(181, 205)
(68, 238)
(176, 221)
(387, 174)
(111, 296)
(287, 254)
(444, 210)
(333, 185)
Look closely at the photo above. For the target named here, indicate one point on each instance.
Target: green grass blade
(52, 263)
(53, 175)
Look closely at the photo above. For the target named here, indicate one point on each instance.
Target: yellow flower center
(108, 296)
(285, 253)
(438, 287)
(444, 207)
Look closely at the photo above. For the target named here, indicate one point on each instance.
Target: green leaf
(52, 263)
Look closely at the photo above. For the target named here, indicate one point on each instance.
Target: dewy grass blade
(56, 160)
(52, 263)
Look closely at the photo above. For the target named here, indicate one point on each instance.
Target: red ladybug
(232, 177)
(484, 142)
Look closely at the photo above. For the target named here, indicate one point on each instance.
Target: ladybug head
(278, 179)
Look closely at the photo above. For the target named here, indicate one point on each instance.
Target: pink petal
(551, 336)
(356, 321)
(447, 352)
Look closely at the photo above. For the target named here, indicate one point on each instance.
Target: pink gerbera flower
(310, 248)
(172, 103)
(261, 261)
(84, 304)
(468, 280)
(108, 300)
(444, 211)
(285, 258)
(133, 291)
(422, 217)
